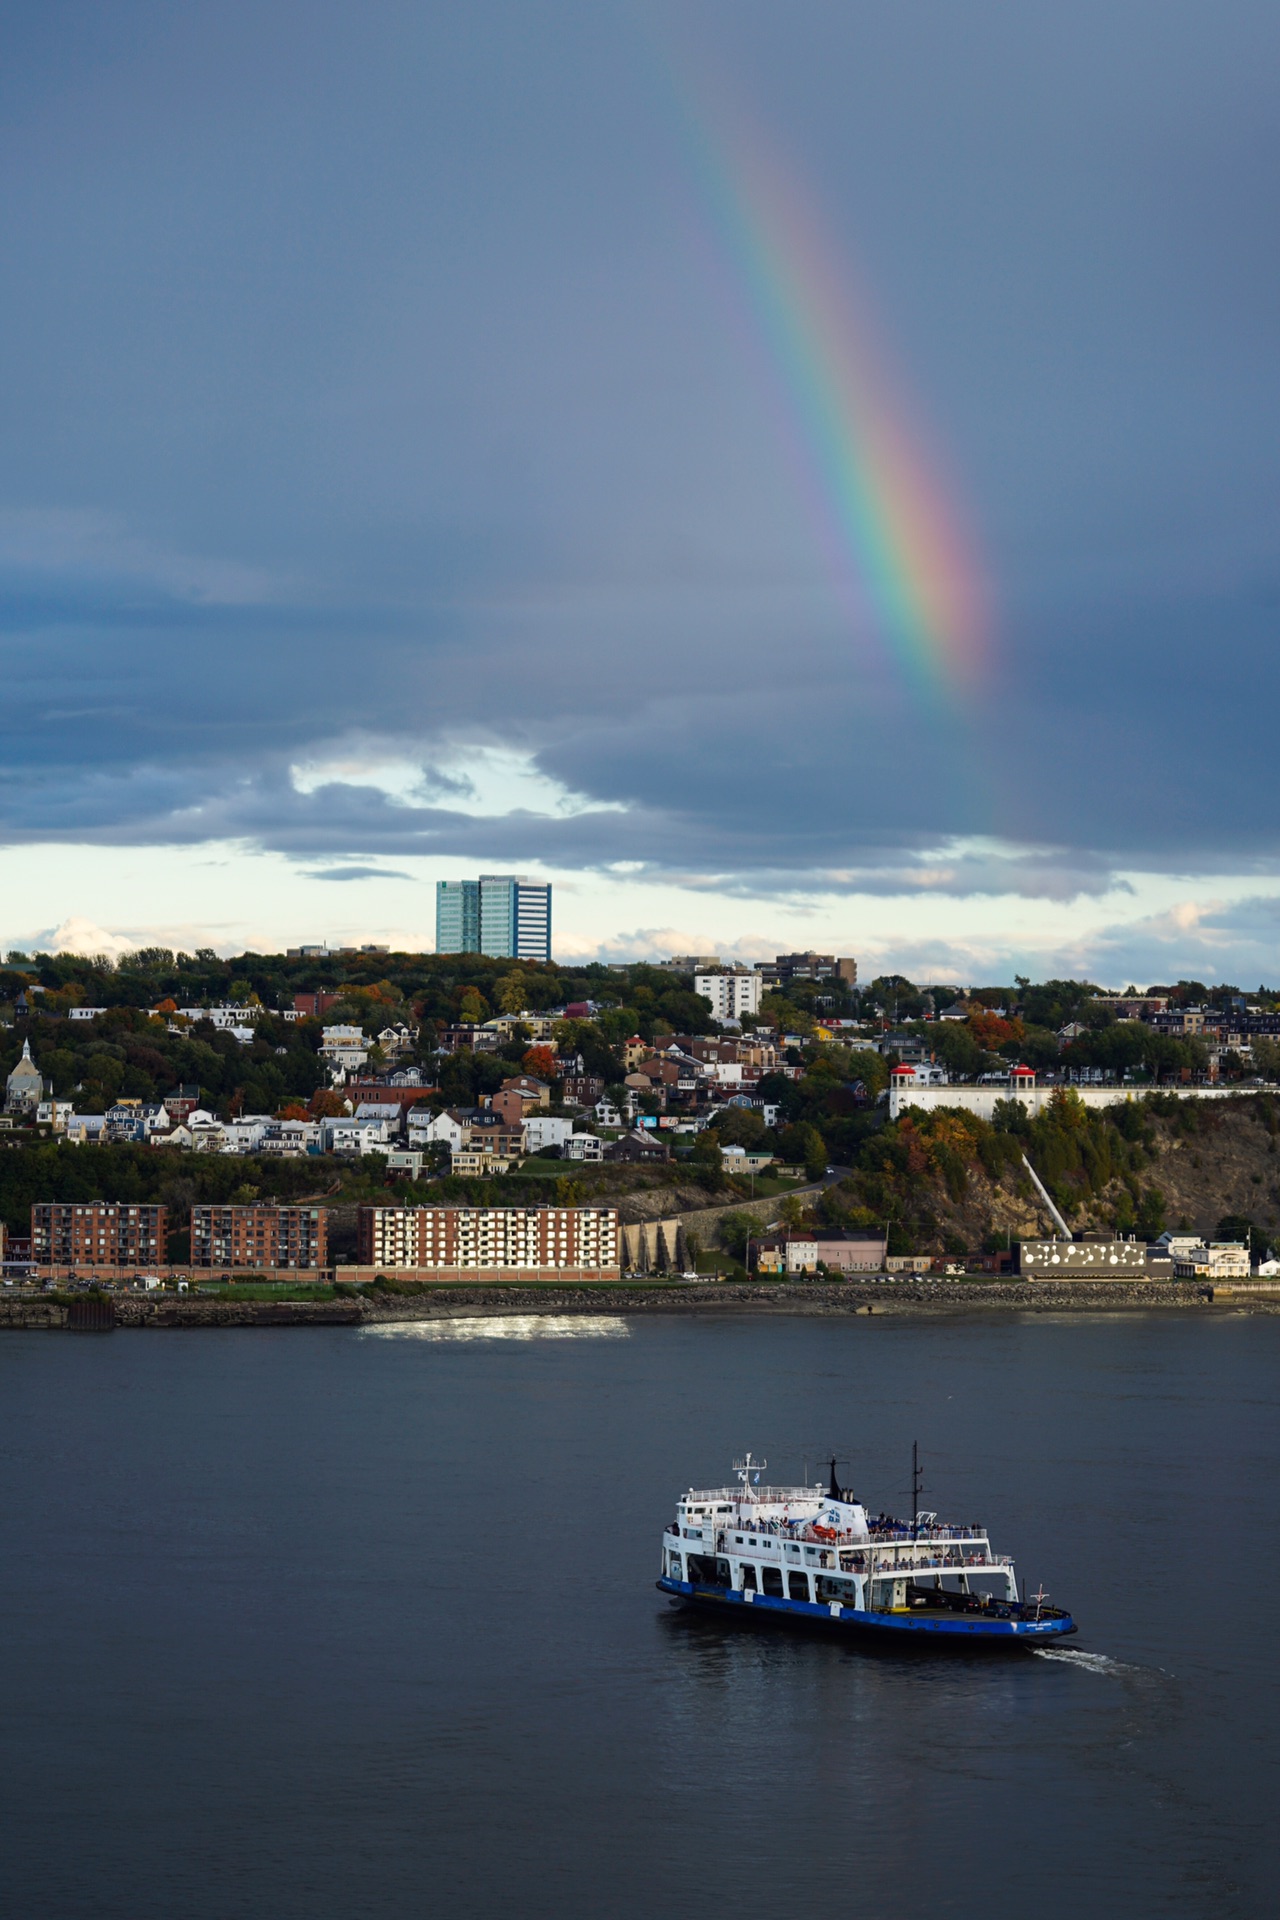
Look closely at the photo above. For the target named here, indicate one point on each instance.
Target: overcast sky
(397, 478)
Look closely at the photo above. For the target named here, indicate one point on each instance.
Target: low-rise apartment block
(556, 1242)
(98, 1234)
(259, 1237)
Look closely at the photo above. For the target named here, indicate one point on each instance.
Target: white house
(425, 1128)
(583, 1146)
(345, 1049)
(390, 1112)
(355, 1136)
(546, 1130)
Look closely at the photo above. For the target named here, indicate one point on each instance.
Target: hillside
(947, 1182)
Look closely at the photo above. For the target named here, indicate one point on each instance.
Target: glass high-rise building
(500, 914)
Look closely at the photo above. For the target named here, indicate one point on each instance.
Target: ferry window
(799, 1585)
(749, 1579)
(771, 1579)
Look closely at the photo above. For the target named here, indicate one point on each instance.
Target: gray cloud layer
(377, 373)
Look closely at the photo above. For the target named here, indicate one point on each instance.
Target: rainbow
(900, 558)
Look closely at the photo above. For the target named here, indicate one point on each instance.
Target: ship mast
(744, 1469)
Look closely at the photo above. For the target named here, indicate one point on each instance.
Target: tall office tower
(500, 914)
(457, 916)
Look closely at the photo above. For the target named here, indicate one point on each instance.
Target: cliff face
(1226, 1161)
(951, 1182)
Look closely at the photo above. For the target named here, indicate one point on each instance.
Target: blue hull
(1014, 1626)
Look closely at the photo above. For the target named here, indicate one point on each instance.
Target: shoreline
(838, 1300)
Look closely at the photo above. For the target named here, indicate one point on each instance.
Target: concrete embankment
(377, 1306)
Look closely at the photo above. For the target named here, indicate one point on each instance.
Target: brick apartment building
(97, 1233)
(314, 1006)
(560, 1242)
(260, 1237)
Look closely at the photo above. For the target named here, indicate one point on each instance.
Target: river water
(333, 1623)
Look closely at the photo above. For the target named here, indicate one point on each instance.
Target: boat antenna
(915, 1489)
(833, 1491)
(748, 1470)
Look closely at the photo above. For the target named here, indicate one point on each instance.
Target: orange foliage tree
(991, 1032)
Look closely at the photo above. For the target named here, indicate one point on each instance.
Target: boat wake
(1090, 1662)
(506, 1326)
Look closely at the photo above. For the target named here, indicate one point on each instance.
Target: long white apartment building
(561, 1243)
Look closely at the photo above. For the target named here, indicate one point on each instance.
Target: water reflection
(506, 1326)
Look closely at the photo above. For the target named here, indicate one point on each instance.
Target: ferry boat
(808, 1556)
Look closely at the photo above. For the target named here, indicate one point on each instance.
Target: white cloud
(484, 782)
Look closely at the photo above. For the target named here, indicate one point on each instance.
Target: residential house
(182, 1101)
(208, 1135)
(427, 1128)
(583, 1146)
(389, 1112)
(637, 1146)
(352, 1136)
(537, 1025)
(467, 1038)
(582, 1089)
(542, 1130)
(345, 1050)
(397, 1041)
(533, 1093)
(247, 1132)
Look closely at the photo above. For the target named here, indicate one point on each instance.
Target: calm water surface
(337, 1623)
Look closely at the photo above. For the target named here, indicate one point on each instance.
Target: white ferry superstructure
(815, 1557)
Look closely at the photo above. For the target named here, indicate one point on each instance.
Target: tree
(802, 1145)
(512, 991)
(735, 1231)
(739, 1127)
(541, 1062)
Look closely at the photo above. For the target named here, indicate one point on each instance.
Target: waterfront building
(97, 1233)
(501, 915)
(259, 1237)
(1098, 1256)
(558, 1242)
(803, 1250)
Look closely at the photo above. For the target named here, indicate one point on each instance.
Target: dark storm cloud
(368, 373)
